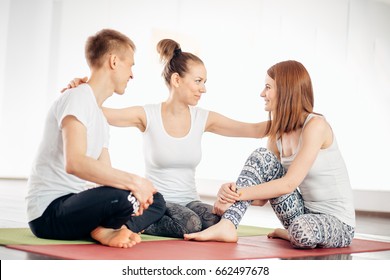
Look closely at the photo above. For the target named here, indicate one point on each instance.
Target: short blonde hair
(103, 42)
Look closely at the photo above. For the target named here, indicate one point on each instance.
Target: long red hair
(295, 98)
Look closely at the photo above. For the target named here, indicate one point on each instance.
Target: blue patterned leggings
(306, 229)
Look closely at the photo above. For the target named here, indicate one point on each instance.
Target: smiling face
(192, 85)
(269, 94)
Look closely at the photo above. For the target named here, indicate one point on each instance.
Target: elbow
(289, 186)
(72, 166)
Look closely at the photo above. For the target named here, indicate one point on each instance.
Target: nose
(131, 75)
(203, 88)
(262, 93)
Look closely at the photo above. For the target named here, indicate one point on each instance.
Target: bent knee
(159, 201)
(302, 235)
(191, 224)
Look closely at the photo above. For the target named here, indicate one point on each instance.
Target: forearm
(100, 173)
(219, 124)
(265, 191)
(248, 130)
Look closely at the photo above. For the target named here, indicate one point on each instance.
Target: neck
(101, 86)
(174, 106)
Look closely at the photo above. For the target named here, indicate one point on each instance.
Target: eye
(198, 81)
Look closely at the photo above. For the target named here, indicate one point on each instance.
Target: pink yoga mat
(253, 247)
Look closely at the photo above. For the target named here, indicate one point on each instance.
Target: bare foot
(120, 238)
(223, 231)
(279, 233)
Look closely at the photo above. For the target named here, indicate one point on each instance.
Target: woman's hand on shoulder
(74, 83)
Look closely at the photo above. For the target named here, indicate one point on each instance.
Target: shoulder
(81, 94)
(317, 123)
(74, 98)
(198, 109)
(151, 107)
(318, 129)
(199, 112)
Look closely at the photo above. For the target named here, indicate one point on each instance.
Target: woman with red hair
(301, 173)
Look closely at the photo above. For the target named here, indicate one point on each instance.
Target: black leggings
(74, 216)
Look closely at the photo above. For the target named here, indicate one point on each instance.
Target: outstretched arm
(130, 116)
(77, 163)
(219, 124)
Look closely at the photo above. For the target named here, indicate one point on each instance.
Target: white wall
(344, 44)
(23, 89)
(4, 18)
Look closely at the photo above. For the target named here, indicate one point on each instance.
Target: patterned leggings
(179, 220)
(306, 229)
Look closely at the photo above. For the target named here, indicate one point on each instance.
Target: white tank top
(170, 162)
(326, 188)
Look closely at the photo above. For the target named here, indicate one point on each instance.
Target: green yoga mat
(24, 236)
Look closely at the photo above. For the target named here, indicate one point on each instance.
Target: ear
(113, 60)
(175, 80)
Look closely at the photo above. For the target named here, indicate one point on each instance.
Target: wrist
(130, 182)
(240, 192)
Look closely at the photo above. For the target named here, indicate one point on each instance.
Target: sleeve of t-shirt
(76, 103)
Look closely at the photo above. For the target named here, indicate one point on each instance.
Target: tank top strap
(308, 118)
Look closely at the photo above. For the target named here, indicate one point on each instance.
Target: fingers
(75, 82)
(148, 203)
(78, 81)
(72, 84)
(144, 206)
(227, 193)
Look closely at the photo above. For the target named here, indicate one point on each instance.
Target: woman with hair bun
(172, 133)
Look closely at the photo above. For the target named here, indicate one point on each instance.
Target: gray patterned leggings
(306, 229)
(179, 220)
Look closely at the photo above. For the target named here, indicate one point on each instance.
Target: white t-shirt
(48, 179)
(170, 162)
